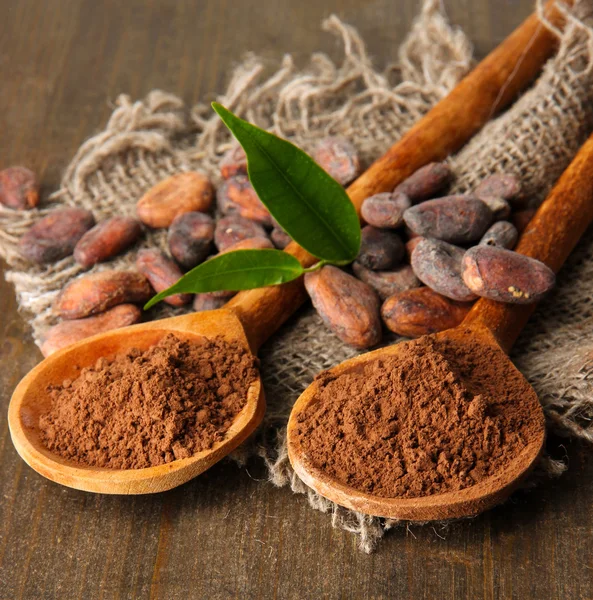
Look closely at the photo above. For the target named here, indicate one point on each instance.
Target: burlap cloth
(147, 140)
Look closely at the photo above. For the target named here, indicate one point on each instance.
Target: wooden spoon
(252, 316)
(550, 237)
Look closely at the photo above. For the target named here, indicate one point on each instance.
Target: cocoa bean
(411, 245)
(427, 182)
(255, 243)
(380, 249)
(95, 293)
(55, 236)
(338, 157)
(503, 185)
(178, 194)
(162, 273)
(455, 219)
(234, 162)
(106, 240)
(502, 234)
(280, 238)
(18, 188)
(190, 238)
(500, 208)
(506, 276)
(438, 265)
(387, 283)
(385, 210)
(349, 307)
(521, 219)
(237, 196)
(234, 228)
(422, 311)
(69, 332)
(208, 302)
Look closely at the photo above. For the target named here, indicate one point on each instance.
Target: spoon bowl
(30, 400)
(450, 505)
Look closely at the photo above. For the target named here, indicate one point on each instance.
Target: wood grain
(226, 535)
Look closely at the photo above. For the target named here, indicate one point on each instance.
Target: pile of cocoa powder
(437, 418)
(146, 408)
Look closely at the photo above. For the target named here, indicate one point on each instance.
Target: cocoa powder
(439, 417)
(147, 408)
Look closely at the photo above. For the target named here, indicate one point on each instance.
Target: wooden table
(229, 534)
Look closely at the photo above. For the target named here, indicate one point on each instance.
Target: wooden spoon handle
(491, 86)
(550, 237)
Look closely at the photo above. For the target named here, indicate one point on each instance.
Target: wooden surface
(226, 534)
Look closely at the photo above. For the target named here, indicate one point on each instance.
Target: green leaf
(238, 270)
(311, 206)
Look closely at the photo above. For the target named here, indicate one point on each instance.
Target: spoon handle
(550, 237)
(492, 85)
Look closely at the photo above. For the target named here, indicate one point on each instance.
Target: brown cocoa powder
(439, 417)
(147, 408)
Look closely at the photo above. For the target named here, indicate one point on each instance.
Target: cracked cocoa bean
(454, 219)
(97, 292)
(385, 210)
(234, 228)
(380, 249)
(438, 265)
(55, 236)
(502, 234)
(280, 238)
(19, 188)
(178, 194)
(387, 283)
(422, 311)
(237, 196)
(67, 333)
(190, 238)
(162, 273)
(338, 157)
(503, 185)
(427, 182)
(208, 301)
(234, 162)
(106, 239)
(349, 307)
(506, 276)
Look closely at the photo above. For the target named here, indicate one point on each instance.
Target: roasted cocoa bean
(338, 157)
(427, 182)
(503, 185)
(411, 245)
(438, 265)
(502, 234)
(69, 332)
(280, 238)
(19, 188)
(387, 283)
(422, 311)
(234, 228)
(385, 210)
(208, 302)
(380, 249)
(506, 276)
(500, 208)
(178, 194)
(162, 273)
(106, 239)
(234, 162)
(255, 243)
(190, 238)
(521, 219)
(455, 219)
(97, 292)
(237, 196)
(55, 236)
(349, 307)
